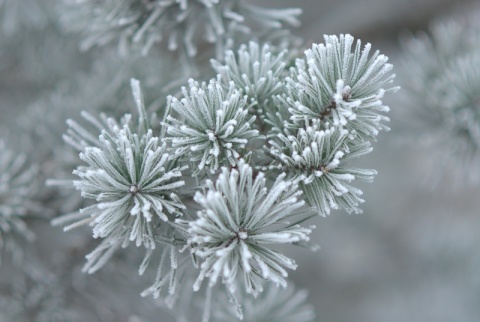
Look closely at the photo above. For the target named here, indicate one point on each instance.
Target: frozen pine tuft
(133, 183)
(257, 71)
(318, 158)
(340, 85)
(239, 221)
(213, 127)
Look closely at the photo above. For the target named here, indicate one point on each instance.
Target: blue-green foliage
(268, 147)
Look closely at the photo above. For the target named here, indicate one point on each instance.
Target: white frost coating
(214, 126)
(240, 217)
(317, 157)
(131, 180)
(254, 70)
(340, 87)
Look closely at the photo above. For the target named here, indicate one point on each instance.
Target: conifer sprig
(316, 118)
(239, 219)
(131, 179)
(255, 70)
(214, 127)
(318, 159)
(132, 182)
(340, 87)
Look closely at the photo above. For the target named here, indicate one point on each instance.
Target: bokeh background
(413, 255)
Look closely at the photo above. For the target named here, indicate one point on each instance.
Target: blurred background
(413, 255)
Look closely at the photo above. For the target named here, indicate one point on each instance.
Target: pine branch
(239, 219)
(130, 178)
(214, 128)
